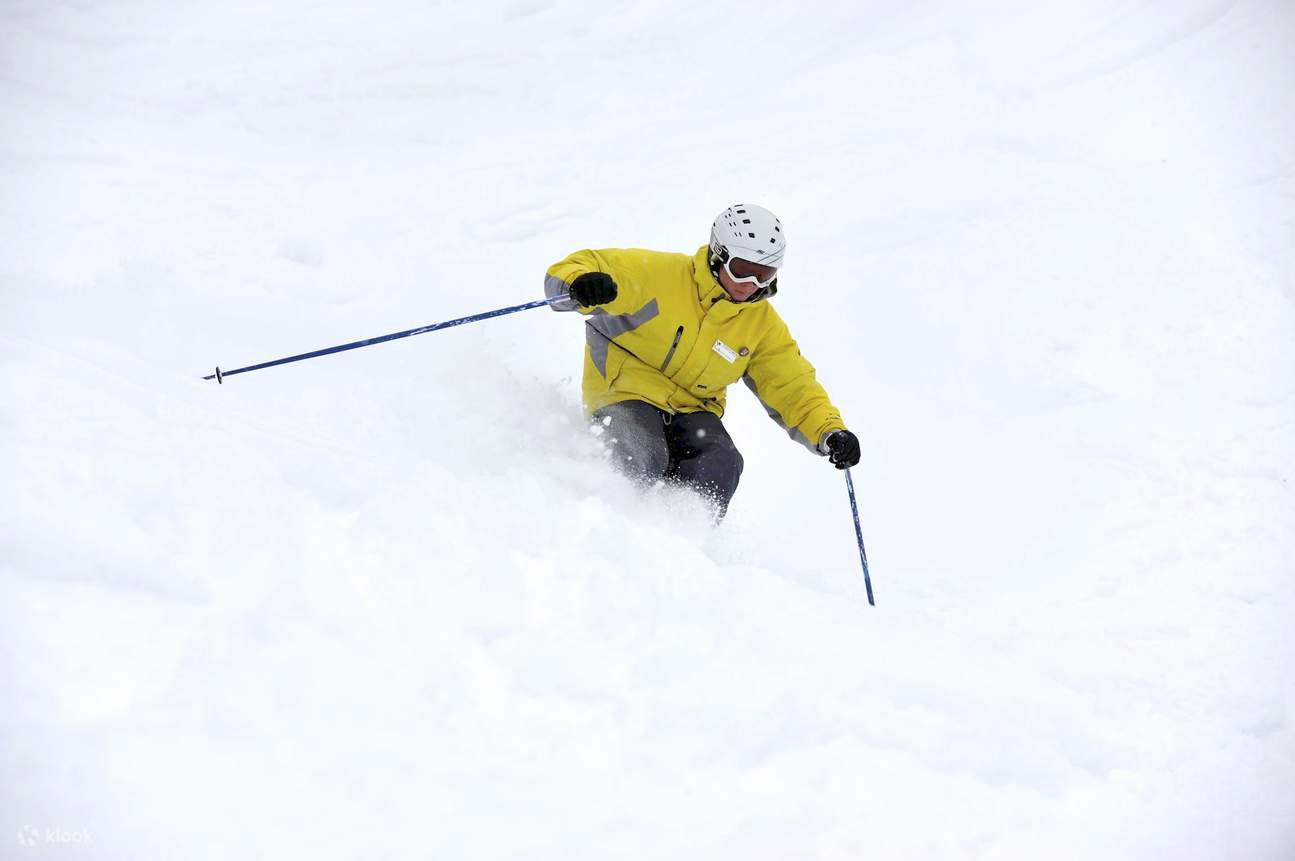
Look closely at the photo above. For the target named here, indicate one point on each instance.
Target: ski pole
(220, 375)
(858, 533)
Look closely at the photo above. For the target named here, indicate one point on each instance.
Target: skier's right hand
(593, 288)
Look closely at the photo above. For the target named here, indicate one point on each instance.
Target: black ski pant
(692, 449)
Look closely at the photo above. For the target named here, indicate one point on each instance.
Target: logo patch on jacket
(729, 354)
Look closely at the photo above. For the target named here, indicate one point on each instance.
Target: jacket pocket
(674, 345)
(720, 372)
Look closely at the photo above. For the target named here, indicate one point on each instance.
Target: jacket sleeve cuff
(822, 443)
(554, 287)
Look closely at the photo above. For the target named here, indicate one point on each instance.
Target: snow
(393, 604)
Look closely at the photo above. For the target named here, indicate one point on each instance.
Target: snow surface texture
(392, 604)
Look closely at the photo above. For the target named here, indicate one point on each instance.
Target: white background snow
(393, 604)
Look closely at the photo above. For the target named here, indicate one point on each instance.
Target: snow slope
(392, 603)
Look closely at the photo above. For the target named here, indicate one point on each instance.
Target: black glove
(842, 448)
(593, 288)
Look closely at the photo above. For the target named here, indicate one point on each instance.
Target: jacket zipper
(673, 346)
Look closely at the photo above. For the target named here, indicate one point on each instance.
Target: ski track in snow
(392, 602)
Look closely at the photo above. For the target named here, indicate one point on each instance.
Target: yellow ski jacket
(673, 338)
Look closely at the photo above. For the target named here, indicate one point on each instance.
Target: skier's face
(742, 278)
(738, 292)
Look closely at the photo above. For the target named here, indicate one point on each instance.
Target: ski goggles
(746, 272)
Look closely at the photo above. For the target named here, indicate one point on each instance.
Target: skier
(668, 333)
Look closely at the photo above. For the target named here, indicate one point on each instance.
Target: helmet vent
(748, 228)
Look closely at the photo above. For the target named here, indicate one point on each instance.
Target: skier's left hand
(842, 448)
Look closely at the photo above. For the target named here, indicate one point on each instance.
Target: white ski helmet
(750, 232)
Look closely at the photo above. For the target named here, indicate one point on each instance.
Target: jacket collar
(709, 291)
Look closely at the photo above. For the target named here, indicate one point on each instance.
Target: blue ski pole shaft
(220, 375)
(858, 533)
